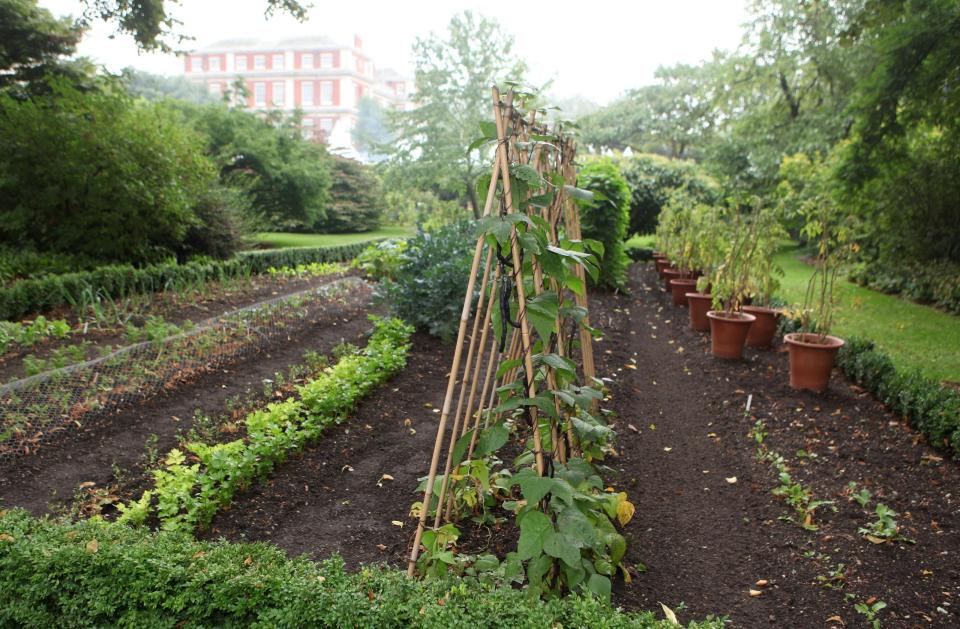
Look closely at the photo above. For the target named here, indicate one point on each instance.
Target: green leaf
(560, 547)
(507, 365)
(578, 193)
(460, 449)
(527, 174)
(489, 129)
(542, 313)
(535, 529)
(533, 487)
(538, 568)
(574, 525)
(600, 586)
(491, 440)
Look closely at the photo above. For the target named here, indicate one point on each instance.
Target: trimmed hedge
(94, 573)
(931, 408)
(936, 283)
(119, 281)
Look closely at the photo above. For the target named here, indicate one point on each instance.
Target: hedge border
(931, 408)
(96, 573)
(43, 294)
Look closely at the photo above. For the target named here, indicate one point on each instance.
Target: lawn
(281, 240)
(641, 242)
(913, 335)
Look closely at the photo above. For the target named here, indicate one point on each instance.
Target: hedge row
(935, 283)
(931, 408)
(116, 282)
(94, 573)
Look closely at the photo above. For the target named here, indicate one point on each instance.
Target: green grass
(640, 242)
(913, 335)
(280, 240)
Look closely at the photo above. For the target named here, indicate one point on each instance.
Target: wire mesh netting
(39, 409)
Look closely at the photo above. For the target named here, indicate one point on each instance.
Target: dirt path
(706, 540)
(44, 481)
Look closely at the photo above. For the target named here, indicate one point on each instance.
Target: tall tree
(454, 73)
(32, 41)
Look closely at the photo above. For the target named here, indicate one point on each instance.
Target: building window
(259, 62)
(260, 94)
(241, 62)
(306, 130)
(326, 125)
(326, 92)
(215, 89)
(326, 59)
(306, 61)
(278, 93)
(306, 93)
(278, 62)
(214, 64)
(196, 64)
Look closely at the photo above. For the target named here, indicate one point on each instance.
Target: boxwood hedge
(95, 573)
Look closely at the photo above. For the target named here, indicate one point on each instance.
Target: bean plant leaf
(527, 174)
(560, 547)
(460, 449)
(533, 487)
(542, 312)
(535, 529)
(600, 586)
(491, 440)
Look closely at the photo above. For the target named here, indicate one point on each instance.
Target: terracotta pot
(810, 360)
(764, 328)
(728, 333)
(660, 265)
(679, 289)
(699, 305)
(672, 274)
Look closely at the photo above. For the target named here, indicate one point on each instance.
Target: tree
(96, 173)
(33, 43)
(157, 87)
(371, 132)
(355, 201)
(453, 77)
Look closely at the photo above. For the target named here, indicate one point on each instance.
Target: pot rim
(679, 281)
(763, 309)
(795, 338)
(742, 317)
(697, 295)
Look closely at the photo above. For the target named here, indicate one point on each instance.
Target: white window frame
(240, 62)
(307, 87)
(324, 98)
(196, 64)
(260, 94)
(278, 62)
(326, 60)
(306, 61)
(259, 62)
(214, 64)
(279, 87)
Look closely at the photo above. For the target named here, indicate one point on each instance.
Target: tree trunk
(472, 197)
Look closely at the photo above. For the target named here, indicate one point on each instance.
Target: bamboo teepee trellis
(519, 141)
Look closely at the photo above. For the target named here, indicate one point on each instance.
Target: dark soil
(49, 478)
(175, 307)
(707, 527)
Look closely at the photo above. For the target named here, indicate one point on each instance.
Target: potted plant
(764, 282)
(729, 325)
(686, 255)
(713, 238)
(806, 189)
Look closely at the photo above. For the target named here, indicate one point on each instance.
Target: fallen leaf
(755, 593)
(836, 619)
(632, 427)
(407, 422)
(93, 546)
(6, 537)
(346, 468)
(625, 511)
(628, 366)
(669, 615)
(875, 540)
(248, 560)
(397, 523)
(762, 583)
(667, 449)
(731, 479)
(382, 547)
(88, 483)
(386, 477)
(652, 426)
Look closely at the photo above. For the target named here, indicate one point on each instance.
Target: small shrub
(382, 260)
(605, 218)
(427, 289)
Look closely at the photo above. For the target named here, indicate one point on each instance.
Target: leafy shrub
(21, 263)
(221, 225)
(97, 174)
(932, 409)
(935, 282)
(381, 260)
(605, 218)
(427, 289)
(651, 179)
(99, 574)
(355, 202)
(43, 294)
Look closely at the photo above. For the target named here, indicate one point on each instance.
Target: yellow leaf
(669, 615)
(731, 479)
(386, 477)
(625, 510)
(6, 537)
(93, 545)
(876, 540)
(755, 593)
(415, 509)
(626, 575)
(397, 523)
(248, 560)
(628, 366)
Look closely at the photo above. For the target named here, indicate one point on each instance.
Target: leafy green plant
(29, 333)
(870, 611)
(313, 269)
(835, 579)
(382, 260)
(605, 218)
(884, 528)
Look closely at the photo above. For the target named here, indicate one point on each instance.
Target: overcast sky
(596, 49)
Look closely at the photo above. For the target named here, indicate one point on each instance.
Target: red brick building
(322, 78)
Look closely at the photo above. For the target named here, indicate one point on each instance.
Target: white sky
(595, 50)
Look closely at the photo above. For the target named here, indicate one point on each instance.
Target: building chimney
(357, 41)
